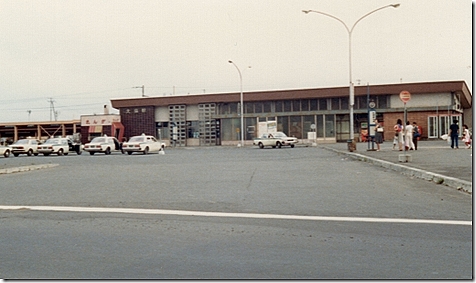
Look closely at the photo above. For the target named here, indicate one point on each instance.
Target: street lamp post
(351, 84)
(241, 102)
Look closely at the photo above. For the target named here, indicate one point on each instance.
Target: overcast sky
(81, 54)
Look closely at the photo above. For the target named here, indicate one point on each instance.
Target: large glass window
(233, 108)
(432, 127)
(382, 101)
(193, 130)
(249, 107)
(320, 126)
(360, 102)
(258, 107)
(250, 128)
(313, 104)
(230, 129)
(279, 106)
(295, 129)
(223, 109)
(335, 103)
(323, 104)
(344, 103)
(330, 126)
(287, 106)
(163, 130)
(283, 124)
(305, 105)
(307, 122)
(296, 105)
(267, 107)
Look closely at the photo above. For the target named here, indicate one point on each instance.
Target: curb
(460, 185)
(26, 168)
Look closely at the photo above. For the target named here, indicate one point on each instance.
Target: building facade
(321, 113)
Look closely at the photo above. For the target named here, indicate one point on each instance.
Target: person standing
(454, 133)
(378, 134)
(416, 134)
(409, 137)
(398, 132)
(466, 136)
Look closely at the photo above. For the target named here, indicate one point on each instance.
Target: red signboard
(405, 96)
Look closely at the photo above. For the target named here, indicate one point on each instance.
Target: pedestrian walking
(409, 137)
(454, 134)
(416, 134)
(378, 134)
(399, 133)
(466, 136)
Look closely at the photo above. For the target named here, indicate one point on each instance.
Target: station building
(214, 119)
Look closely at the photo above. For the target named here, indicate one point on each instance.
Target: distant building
(213, 119)
(13, 131)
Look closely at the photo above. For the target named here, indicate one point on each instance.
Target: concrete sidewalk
(433, 160)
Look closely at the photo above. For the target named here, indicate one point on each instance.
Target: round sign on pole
(405, 96)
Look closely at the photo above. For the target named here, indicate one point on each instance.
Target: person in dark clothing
(454, 133)
(416, 134)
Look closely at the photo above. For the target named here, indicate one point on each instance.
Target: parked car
(5, 150)
(103, 144)
(57, 146)
(25, 146)
(274, 140)
(142, 143)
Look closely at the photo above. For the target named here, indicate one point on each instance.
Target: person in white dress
(466, 136)
(408, 133)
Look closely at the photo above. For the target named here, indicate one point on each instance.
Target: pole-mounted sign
(405, 96)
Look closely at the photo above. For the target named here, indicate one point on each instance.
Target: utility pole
(52, 109)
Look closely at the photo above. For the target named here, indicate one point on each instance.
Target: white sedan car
(5, 150)
(25, 146)
(142, 143)
(57, 146)
(103, 144)
(274, 140)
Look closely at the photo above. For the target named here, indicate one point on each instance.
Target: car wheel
(46, 154)
(108, 151)
(129, 152)
(146, 150)
(66, 153)
(60, 152)
(91, 152)
(292, 146)
(261, 145)
(16, 154)
(35, 154)
(30, 152)
(278, 144)
(6, 153)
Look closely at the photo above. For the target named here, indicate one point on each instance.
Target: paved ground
(435, 158)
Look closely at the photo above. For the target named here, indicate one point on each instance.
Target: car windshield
(136, 139)
(22, 142)
(51, 141)
(280, 135)
(98, 140)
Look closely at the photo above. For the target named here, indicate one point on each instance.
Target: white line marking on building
(234, 215)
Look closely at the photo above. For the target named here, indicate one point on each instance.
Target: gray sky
(84, 53)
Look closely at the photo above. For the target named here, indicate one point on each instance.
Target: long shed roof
(458, 87)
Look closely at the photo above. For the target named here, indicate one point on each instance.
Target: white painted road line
(234, 215)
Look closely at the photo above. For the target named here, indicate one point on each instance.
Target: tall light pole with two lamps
(241, 102)
(351, 84)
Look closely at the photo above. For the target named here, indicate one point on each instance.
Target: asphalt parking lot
(238, 192)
